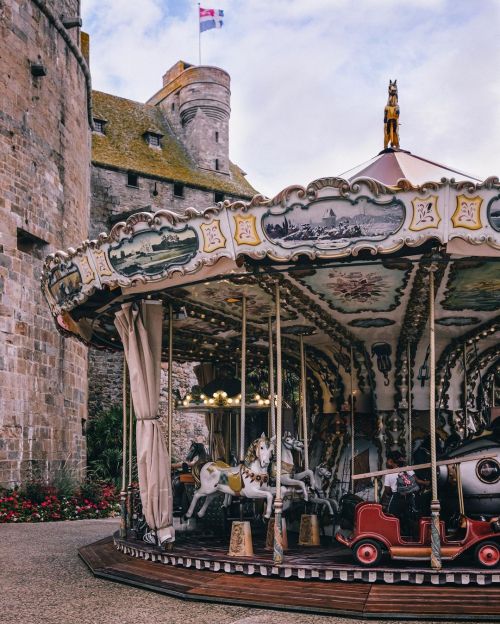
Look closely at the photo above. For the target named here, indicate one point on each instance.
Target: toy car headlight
(488, 471)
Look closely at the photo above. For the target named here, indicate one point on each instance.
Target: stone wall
(105, 392)
(186, 425)
(112, 197)
(44, 177)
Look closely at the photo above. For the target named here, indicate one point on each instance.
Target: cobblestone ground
(43, 581)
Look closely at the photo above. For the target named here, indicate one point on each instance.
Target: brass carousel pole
(464, 360)
(130, 442)
(435, 505)
(303, 401)
(170, 378)
(123, 491)
(352, 420)
(272, 406)
(278, 503)
(243, 375)
(410, 440)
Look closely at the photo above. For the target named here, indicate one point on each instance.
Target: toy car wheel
(487, 554)
(368, 552)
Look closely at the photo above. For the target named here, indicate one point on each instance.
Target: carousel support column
(272, 405)
(435, 505)
(170, 379)
(464, 360)
(241, 532)
(303, 401)
(353, 431)
(278, 502)
(309, 524)
(243, 375)
(123, 491)
(410, 376)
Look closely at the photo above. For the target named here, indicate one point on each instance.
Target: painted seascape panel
(65, 282)
(494, 213)
(333, 223)
(475, 287)
(152, 252)
(357, 288)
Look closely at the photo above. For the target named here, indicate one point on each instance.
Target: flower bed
(17, 506)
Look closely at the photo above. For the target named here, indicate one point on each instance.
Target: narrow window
(132, 179)
(216, 164)
(178, 189)
(29, 243)
(99, 125)
(154, 140)
(218, 197)
(216, 137)
(173, 106)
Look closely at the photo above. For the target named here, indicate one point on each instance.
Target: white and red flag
(211, 18)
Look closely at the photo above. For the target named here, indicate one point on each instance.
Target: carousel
(343, 333)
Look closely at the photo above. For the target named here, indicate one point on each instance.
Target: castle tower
(196, 102)
(44, 206)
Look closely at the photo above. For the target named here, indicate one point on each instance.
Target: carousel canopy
(392, 165)
(352, 257)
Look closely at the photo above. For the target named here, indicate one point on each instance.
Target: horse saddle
(286, 468)
(227, 477)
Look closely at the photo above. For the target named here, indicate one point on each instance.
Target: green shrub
(104, 446)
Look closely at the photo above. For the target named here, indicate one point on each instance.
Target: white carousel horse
(288, 475)
(322, 474)
(249, 480)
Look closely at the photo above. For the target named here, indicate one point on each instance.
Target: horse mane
(250, 455)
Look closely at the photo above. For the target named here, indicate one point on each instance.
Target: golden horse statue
(391, 117)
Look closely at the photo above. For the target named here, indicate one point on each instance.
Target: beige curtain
(140, 328)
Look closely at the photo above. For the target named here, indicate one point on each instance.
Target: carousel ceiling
(351, 259)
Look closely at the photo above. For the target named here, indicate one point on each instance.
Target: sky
(309, 77)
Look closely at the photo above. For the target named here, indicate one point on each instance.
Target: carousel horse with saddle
(250, 479)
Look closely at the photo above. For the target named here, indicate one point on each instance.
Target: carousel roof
(392, 165)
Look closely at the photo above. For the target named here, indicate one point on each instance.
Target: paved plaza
(44, 582)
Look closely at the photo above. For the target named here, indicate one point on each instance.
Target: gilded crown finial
(391, 117)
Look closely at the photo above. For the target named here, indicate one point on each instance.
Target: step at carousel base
(202, 582)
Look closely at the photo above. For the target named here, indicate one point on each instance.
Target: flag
(211, 18)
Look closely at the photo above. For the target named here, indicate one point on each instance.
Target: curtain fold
(140, 329)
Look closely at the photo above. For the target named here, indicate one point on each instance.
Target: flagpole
(199, 36)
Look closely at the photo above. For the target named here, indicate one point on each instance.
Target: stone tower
(196, 101)
(44, 206)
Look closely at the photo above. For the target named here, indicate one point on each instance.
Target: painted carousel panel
(360, 287)
(473, 287)
(333, 223)
(64, 282)
(153, 252)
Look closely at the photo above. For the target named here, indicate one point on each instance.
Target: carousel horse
(196, 456)
(249, 479)
(288, 475)
(322, 476)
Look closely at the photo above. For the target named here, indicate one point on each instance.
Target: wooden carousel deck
(204, 573)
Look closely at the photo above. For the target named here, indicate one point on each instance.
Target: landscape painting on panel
(153, 252)
(65, 282)
(333, 223)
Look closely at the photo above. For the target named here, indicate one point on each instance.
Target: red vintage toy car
(376, 533)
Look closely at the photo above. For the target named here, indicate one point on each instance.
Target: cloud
(309, 79)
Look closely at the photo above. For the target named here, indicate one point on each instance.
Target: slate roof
(123, 147)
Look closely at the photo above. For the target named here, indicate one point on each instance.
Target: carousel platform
(320, 580)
